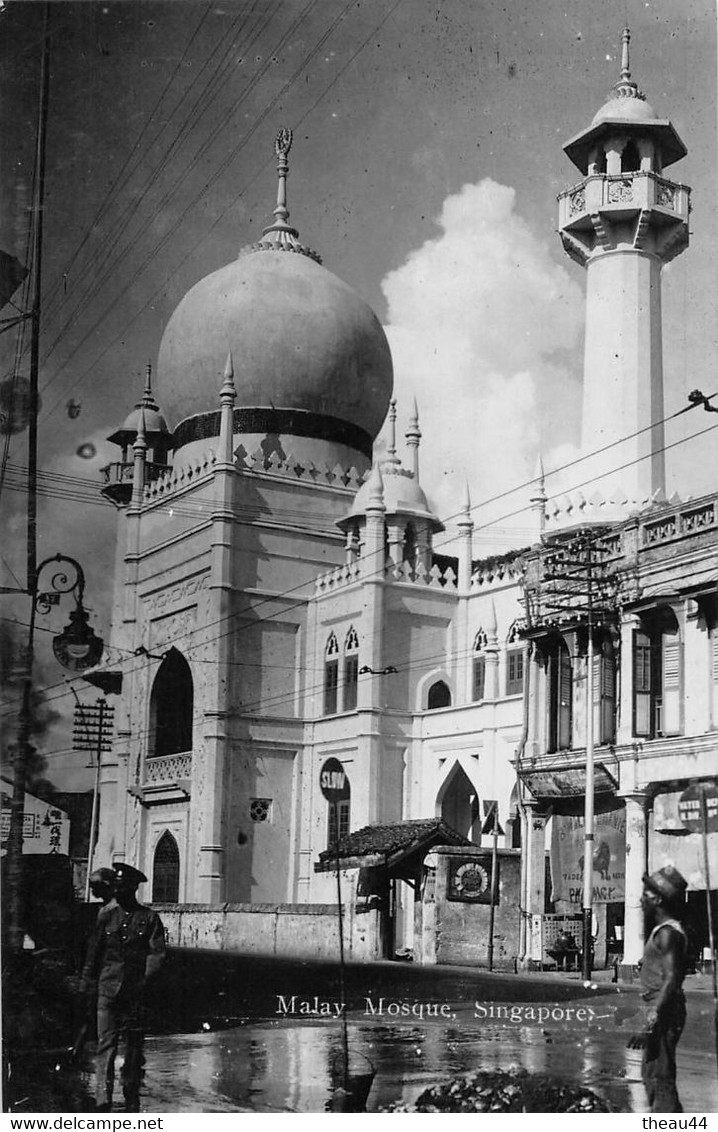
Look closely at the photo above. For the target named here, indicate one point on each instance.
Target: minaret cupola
(410, 521)
(158, 439)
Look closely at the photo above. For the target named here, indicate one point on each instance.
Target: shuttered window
(657, 680)
(559, 674)
(604, 693)
(514, 672)
(671, 683)
(642, 685)
(479, 681)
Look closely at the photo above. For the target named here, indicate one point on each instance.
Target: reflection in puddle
(284, 1066)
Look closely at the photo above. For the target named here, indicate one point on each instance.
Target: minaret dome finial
(625, 63)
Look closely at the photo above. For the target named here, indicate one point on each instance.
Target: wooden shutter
(642, 690)
(671, 682)
(565, 698)
(604, 694)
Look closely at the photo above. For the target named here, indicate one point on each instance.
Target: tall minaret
(622, 222)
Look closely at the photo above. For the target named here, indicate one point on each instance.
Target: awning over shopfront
(567, 781)
(398, 847)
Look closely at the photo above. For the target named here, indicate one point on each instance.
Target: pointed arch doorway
(457, 803)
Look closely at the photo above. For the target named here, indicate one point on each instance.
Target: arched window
(515, 653)
(338, 821)
(171, 707)
(439, 696)
(165, 871)
(351, 670)
(409, 548)
(630, 158)
(331, 675)
(478, 682)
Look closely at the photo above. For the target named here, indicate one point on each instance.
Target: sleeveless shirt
(652, 975)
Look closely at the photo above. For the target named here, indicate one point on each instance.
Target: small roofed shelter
(384, 856)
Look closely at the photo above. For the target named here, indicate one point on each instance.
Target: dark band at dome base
(283, 422)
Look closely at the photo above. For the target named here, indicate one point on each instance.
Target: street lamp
(76, 648)
(390, 670)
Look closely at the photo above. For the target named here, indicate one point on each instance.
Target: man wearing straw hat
(663, 969)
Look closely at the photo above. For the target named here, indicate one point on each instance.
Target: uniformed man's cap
(128, 874)
(667, 883)
(102, 876)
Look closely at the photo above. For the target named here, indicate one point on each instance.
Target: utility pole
(93, 725)
(16, 929)
(576, 592)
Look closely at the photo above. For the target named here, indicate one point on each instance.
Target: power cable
(247, 185)
(287, 594)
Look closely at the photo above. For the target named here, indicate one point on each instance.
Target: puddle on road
(289, 1067)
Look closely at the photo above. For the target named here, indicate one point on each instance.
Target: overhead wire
(296, 590)
(126, 169)
(84, 373)
(157, 207)
(105, 266)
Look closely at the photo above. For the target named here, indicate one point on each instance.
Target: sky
(426, 161)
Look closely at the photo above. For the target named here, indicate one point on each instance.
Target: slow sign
(691, 810)
(333, 781)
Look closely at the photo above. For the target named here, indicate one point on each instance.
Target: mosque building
(281, 599)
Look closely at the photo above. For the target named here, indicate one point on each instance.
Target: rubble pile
(513, 1090)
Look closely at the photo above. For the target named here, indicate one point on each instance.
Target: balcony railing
(617, 191)
(165, 770)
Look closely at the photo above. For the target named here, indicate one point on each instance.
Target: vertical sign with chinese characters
(46, 829)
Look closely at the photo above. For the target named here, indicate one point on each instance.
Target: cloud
(482, 323)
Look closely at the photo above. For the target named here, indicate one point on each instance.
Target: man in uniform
(126, 952)
(102, 884)
(663, 969)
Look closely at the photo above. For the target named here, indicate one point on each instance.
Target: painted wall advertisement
(609, 858)
(45, 828)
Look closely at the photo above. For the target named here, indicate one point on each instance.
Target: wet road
(289, 1063)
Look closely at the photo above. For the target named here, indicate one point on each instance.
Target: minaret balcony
(118, 480)
(621, 196)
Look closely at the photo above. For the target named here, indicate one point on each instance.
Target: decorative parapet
(402, 572)
(614, 191)
(278, 464)
(337, 578)
(258, 463)
(418, 575)
(690, 519)
(166, 770)
(180, 477)
(498, 568)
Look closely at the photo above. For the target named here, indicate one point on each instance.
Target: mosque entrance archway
(457, 803)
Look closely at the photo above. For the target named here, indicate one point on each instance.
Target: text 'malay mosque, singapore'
(280, 601)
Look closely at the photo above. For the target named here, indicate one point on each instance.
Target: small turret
(158, 440)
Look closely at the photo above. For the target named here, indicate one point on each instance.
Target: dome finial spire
(281, 232)
(282, 146)
(392, 460)
(625, 63)
(147, 400)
